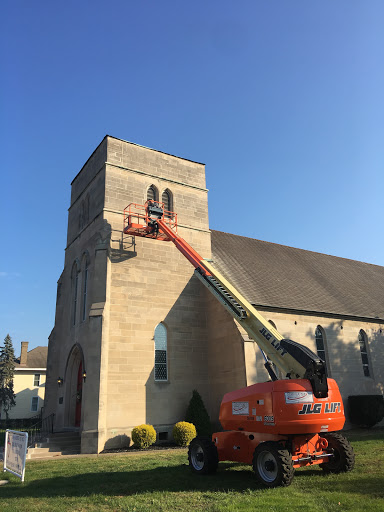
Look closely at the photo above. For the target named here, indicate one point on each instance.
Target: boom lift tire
(273, 464)
(343, 459)
(202, 456)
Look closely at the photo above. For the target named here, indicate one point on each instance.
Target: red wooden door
(79, 390)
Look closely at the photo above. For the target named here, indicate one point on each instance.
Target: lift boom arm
(293, 359)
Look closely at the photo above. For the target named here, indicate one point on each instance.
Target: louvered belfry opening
(166, 199)
(152, 193)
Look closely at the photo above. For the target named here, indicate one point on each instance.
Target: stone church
(135, 332)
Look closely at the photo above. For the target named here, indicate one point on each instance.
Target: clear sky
(282, 100)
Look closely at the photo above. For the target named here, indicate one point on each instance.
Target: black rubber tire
(202, 456)
(272, 464)
(343, 459)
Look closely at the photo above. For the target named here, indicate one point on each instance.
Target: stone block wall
(152, 283)
(133, 285)
(77, 335)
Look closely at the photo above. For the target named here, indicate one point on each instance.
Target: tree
(198, 415)
(7, 370)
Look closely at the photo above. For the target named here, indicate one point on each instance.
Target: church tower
(130, 340)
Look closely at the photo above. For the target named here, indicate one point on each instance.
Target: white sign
(15, 452)
(240, 408)
(298, 397)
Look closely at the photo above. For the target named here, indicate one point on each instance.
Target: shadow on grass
(162, 479)
(364, 435)
(172, 479)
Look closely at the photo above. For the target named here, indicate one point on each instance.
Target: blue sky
(282, 100)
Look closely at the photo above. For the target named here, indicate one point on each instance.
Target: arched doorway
(74, 387)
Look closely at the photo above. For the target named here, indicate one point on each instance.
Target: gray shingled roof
(278, 276)
(37, 358)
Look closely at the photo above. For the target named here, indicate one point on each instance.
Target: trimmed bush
(197, 415)
(183, 433)
(366, 410)
(143, 436)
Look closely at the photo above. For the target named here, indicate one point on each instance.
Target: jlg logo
(267, 335)
(332, 407)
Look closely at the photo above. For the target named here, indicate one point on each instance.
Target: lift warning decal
(240, 408)
(330, 408)
(298, 397)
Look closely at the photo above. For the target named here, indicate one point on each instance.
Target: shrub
(366, 410)
(183, 433)
(143, 436)
(197, 415)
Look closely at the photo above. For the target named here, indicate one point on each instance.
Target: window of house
(152, 193)
(36, 379)
(34, 403)
(364, 352)
(161, 370)
(320, 343)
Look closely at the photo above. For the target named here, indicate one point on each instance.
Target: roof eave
(339, 316)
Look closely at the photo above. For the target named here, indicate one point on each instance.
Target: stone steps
(61, 443)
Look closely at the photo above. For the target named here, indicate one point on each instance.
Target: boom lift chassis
(275, 426)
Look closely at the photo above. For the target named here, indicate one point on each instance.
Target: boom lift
(276, 426)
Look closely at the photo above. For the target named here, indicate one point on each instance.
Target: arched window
(152, 193)
(320, 343)
(85, 265)
(363, 341)
(161, 371)
(75, 288)
(166, 198)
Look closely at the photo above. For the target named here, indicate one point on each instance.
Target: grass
(162, 481)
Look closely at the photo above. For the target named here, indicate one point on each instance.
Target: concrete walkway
(112, 454)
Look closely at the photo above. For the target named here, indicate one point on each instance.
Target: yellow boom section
(259, 329)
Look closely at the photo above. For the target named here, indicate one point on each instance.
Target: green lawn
(162, 481)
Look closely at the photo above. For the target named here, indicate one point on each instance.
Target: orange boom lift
(276, 426)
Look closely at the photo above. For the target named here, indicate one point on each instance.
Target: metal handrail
(38, 430)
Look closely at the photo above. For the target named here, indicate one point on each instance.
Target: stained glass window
(364, 352)
(161, 370)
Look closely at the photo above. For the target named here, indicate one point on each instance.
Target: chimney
(24, 353)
